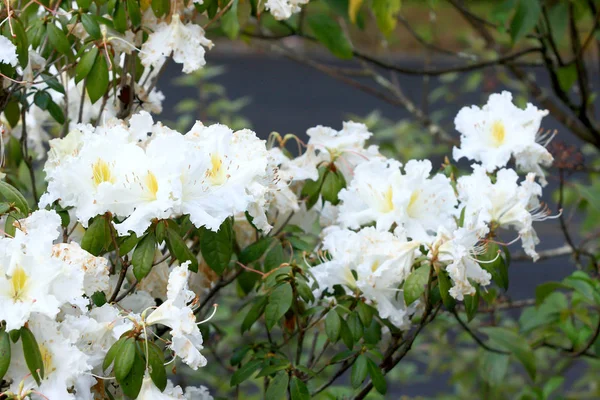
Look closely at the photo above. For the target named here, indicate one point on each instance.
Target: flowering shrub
(111, 266)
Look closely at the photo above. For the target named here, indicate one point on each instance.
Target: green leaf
(346, 335)
(124, 359)
(359, 371)
(312, 189)
(91, 26)
(229, 22)
(386, 12)
(97, 82)
(133, 8)
(120, 18)
(330, 34)
(33, 355)
(415, 284)
(14, 197)
(127, 243)
(546, 289)
(85, 64)
(245, 372)
(161, 7)
(217, 247)
(12, 113)
(4, 353)
(552, 385)
(333, 325)
(53, 83)
(280, 300)
(132, 383)
(494, 367)
(20, 40)
(254, 313)
(255, 251)
(179, 250)
(471, 305)
(298, 390)
(97, 236)
(365, 312)
(444, 286)
(99, 299)
(497, 268)
(58, 39)
(332, 184)
(41, 99)
(274, 257)
(278, 386)
(377, 376)
(566, 76)
(56, 112)
(517, 345)
(355, 326)
(143, 256)
(525, 19)
(156, 360)
(112, 352)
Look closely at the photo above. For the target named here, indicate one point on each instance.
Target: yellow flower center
(498, 133)
(413, 202)
(375, 265)
(217, 174)
(388, 203)
(151, 185)
(18, 282)
(46, 359)
(101, 172)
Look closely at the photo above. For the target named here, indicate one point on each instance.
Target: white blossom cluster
(390, 214)
(143, 171)
(47, 287)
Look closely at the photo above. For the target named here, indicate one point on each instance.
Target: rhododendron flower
(149, 391)
(8, 52)
(184, 41)
(65, 366)
(186, 339)
(283, 9)
(381, 262)
(504, 204)
(500, 130)
(381, 193)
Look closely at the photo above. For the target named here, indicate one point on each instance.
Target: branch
(221, 283)
(475, 338)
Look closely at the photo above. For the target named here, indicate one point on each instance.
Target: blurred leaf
(58, 39)
(5, 354)
(91, 26)
(377, 376)
(415, 284)
(525, 19)
(229, 21)
(245, 372)
(278, 386)
(494, 367)
(517, 345)
(217, 247)
(386, 12)
(333, 324)
(330, 34)
(97, 82)
(566, 76)
(13, 196)
(280, 300)
(179, 249)
(359, 371)
(254, 313)
(298, 390)
(97, 236)
(353, 8)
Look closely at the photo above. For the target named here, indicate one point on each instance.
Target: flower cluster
(143, 171)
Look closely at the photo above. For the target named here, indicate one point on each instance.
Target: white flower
(149, 391)
(65, 365)
(222, 174)
(380, 193)
(186, 339)
(458, 250)
(8, 52)
(499, 130)
(283, 9)
(31, 279)
(184, 41)
(504, 204)
(95, 269)
(381, 262)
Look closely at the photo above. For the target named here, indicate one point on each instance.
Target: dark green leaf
(85, 64)
(525, 19)
(112, 352)
(161, 7)
(359, 371)
(4, 353)
(12, 113)
(471, 305)
(217, 247)
(444, 286)
(91, 26)
(346, 335)
(97, 236)
(13, 196)
(58, 39)
(567, 76)
(274, 257)
(255, 251)
(494, 367)
(365, 312)
(120, 18)
(33, 355)
(312, 189)
(156, 360)
(333, 325)
(127, 243)
(99, 299)
(21, 41)
(355, 326)
(132, 383)
(332, 184)
(143, 256)
(245, 372)
(254, 313)
(415, 284)
(298, 390)
(97, 82)
(124, 359)
(517, 345)
(133, 8)
(179, 250)
(41, 99)
(280, 300)
(377, 376)
(278, 386)
(229, 21)
(56, 112)
(546, 289)
(330, 34)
